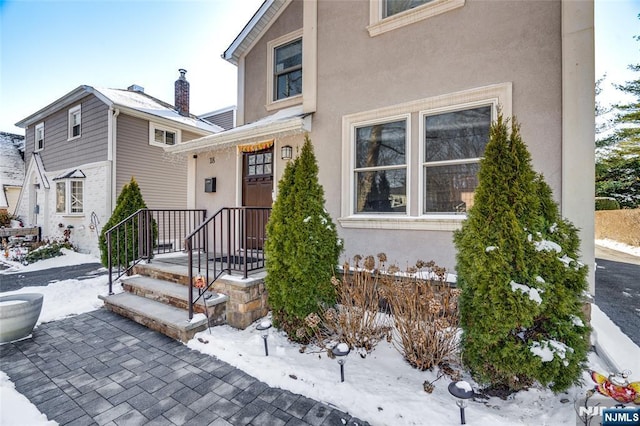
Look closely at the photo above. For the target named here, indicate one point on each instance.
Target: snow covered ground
(381, 388)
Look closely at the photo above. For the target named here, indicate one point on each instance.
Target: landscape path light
(341, 350)
(264, 327)
(462, 391)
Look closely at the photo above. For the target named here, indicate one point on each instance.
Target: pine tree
(129, 201)
(521, 300)
(618, 172)
(302, 248)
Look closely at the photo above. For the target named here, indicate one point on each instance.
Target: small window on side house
(75, 122)
(39, 137)
(161, 136)
(454, 143)
(70, 196)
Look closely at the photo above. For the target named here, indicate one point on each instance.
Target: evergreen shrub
(521, 284)
(606, 203)
(302, 247)
(129, 201)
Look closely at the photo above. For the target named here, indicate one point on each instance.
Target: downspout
(111, 156)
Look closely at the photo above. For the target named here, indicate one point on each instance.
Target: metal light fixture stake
(462, 391)
(341, 350)
(264, 327)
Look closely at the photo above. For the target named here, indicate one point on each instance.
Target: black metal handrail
(145, 233)
(230, 240)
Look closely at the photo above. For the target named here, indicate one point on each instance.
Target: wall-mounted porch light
(286, 152)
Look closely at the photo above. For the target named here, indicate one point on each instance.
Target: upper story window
(391, 7)
(454, 142)
(162, 136)
(284, 56)
(288, 70)
(387, 15)
(380, 169)
(70, 196)
(75, 122)
(39, 137)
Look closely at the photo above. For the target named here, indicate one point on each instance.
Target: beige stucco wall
(255, 89)
(445, 54)
(480, 44)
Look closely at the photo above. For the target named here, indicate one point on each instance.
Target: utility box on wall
(210, 184)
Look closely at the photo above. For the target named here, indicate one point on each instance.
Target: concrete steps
(155, 315)
(157, 296)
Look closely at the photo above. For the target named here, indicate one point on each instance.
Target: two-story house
(397, 97)
(84, 147)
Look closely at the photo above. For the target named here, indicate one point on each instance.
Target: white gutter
(229, 54)
(112, 139)
(244, 134)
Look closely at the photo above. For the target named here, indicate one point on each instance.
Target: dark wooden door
(257, 187)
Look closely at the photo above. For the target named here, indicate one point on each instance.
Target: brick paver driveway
(100, 368)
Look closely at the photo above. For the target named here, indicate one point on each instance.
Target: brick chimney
(182, 94)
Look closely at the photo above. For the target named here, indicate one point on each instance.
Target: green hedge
(606, 203)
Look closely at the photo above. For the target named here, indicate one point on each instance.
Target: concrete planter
(18, 315)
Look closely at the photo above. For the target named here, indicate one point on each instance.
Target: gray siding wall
(60, 153)
(162, 178)
(223, 119)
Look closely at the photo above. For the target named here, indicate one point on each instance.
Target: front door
(257, 187)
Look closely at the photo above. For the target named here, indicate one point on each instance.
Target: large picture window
(70, 196)
(415, 165)
(454, 142)
(381, 168)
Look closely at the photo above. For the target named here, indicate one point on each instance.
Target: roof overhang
(252, 32)
(68, 99)
(249, 133)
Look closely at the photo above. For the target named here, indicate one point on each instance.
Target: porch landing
(157, 295)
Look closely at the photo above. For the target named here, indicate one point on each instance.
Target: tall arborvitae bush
(302, 247)
(129, 201)
(522, 287)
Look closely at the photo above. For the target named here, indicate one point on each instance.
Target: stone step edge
(133, 307)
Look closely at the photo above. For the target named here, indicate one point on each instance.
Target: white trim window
(377, 177)
(454, 143)
(39, 137)
(75, 122)
(284, 80)
(70, 197)
(163, 136)
(387, 15)
(380, 169)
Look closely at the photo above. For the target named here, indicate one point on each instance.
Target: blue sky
(48, 48)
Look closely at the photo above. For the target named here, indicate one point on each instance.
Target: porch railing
(146, 233)
(230, 240)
